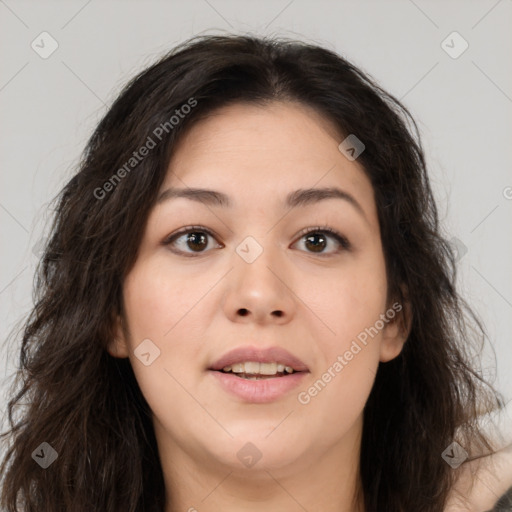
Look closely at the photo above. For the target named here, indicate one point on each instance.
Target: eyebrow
(300, 197)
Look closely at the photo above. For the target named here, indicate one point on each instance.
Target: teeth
(267, 368)
(254, 368)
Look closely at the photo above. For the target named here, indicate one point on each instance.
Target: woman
(246, 304)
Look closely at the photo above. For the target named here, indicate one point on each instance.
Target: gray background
(463, 107)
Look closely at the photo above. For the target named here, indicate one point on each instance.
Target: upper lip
(268, 355)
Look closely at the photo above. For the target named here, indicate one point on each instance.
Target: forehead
(253, 152)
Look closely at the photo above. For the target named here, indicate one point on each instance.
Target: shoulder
(484, 482)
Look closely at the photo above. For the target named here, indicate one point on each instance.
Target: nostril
(243, 312)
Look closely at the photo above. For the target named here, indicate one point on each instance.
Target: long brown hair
(71, 394)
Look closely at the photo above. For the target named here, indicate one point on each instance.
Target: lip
(258, 391)
(261, 390)
(268, 355)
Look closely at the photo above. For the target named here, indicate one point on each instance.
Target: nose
(260, 291)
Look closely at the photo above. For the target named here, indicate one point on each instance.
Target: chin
(255, 450)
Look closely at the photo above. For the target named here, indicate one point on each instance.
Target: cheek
(347, 301)
(159, 299)
(161, 306)
(335, 400)
(335, 396)
(351, 305)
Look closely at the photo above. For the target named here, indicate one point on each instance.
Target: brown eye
(316, 242)
(197, 240)
(189, 241)
(317, 239)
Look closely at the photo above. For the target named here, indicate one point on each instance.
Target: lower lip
(261, 390)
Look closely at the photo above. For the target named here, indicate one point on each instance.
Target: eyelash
(342, 241)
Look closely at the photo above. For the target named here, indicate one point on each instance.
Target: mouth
(253, 370)
(258, 376)
(250, 361)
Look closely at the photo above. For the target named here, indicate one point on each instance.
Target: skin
(192, 310)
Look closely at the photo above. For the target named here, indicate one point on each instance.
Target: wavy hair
(70, 393)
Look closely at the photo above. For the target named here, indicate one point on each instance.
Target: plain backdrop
(462, 101)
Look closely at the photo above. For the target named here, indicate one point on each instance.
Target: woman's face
(259, 283)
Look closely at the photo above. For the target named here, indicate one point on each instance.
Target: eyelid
(187, 229)
(333, 233)
(341, 239)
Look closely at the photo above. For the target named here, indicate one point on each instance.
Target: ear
(118, 346)
(396, 330)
